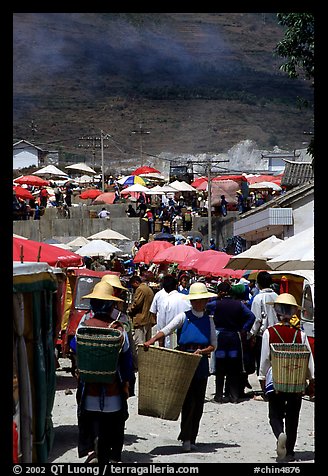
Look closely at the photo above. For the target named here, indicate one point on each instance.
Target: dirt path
(229, 433)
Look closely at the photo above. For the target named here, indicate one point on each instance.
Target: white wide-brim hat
(198, 291)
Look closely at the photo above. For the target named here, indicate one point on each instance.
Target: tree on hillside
(297, 47)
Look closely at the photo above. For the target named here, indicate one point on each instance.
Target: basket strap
(276, 331)
(294, 338)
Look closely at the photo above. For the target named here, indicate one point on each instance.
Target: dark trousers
(108, 427)
(257, 352)
(228, 371)
(284, 412)
(192, 410)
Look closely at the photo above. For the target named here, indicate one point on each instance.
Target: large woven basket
(97, 353)
(289, 367)
(164, 378)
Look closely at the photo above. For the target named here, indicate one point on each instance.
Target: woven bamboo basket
(289, 367)
(164, 379)
(97, 353)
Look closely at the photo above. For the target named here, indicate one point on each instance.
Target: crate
(289, 367)
(164, 379)
(97, 353)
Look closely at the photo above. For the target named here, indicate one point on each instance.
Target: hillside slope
(197, 82)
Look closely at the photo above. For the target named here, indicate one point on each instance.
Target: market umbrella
(182, 186)
(265, 186)
(190, 261)
(296, 252)
(108, 234)
(29, 250)
(81, 166)
(131, 180)
(51, 171)
(97, 248)
(84, 179)
(106, 197)
(214, 265)
(145, 170)
(78, 241)
(32, 180)
(90, 193)
(23, 193)
(148, 251)
(176, 254)
(255, 257)
(164, 236)
(137, 187)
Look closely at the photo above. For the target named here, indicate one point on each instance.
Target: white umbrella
(97, 248)
(51, 170)
(64, 246)
(137, 187)
(84, 179)
(255, 257)
(157, 190)
(78, 241)
(108, 234)
(182, 186)
(265, 186)
(297, 252)
(168, 189)
(81, 166)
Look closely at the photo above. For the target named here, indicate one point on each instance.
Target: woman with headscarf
(196, 334)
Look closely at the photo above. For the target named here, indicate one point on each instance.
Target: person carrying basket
(104, 363)
(286, 364)
(196, 334)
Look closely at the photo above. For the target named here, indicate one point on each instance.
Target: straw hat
(198, 291)
(103, 290)
(113, 280)
(285, 298)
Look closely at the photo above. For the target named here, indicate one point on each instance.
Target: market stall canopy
(97, 248)
(157, 190)
(168, 189)
(106, 197)
(296, 252)
(182, 186)
(90, 193)
(198, 182)
(148, 251)
(190, 261)
(81, 166)
(137, 187)
(51, 170)
(131, 180)
(32, 180)
(177, 254)
(84, 179)
(108, 234)
(214, 265)
(228, 188)
(254, 178)
(255, 257)
(22, 193)
(78, 241)
(265, 186)
(145, 170)
(35, 251)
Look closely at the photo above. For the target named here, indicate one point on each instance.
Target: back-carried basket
(97, 353)
(164, 378)
(289, 367)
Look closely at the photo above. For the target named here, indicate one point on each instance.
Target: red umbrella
(213, 265)
(23, 193)
(190, 261)
(31, 180)
(145, 170)
(106, 197)
(90, 193)
(149, 250)
(29, 250)
(177, 254)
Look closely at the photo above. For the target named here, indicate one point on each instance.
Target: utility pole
(103, 136)
(92, 142)
(141, 132)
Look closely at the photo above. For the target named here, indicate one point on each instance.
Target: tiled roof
(297, 173)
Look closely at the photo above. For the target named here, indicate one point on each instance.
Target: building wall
(24, 157)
